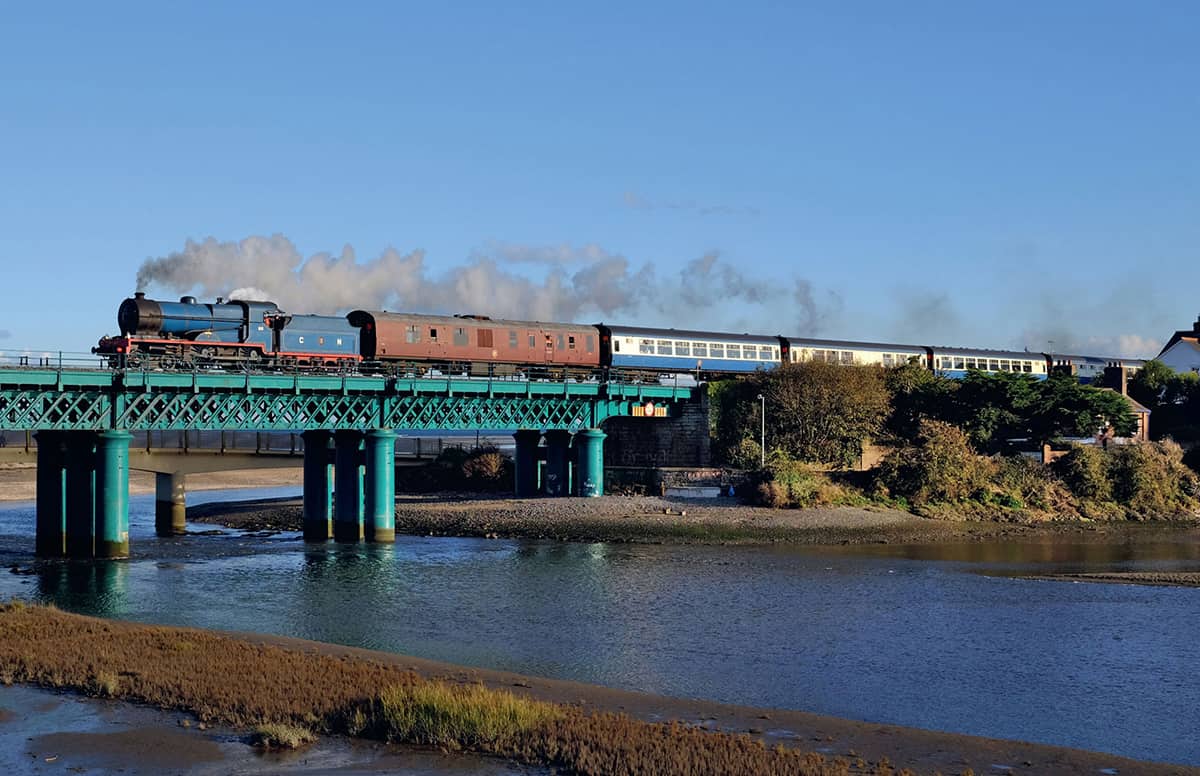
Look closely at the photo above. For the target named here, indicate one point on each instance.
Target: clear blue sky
(980, 174)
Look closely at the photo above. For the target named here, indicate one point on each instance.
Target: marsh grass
(470, 716)
(277, 736)
(289, 694)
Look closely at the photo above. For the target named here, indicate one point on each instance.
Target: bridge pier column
(318, 487)
(81, 494)
(170, 504)
(51, 539)
(381, 486)
(348, 486)
(526, 463)
(558, 463)
(112, 494)
(589, 465)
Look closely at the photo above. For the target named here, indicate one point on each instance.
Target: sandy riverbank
(18, 481)
(707, 521)
(36, 641)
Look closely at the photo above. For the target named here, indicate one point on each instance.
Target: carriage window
(320, 340)
(733, 351)
(682, 349)
(570, 343)
(1004, 364)
(699, 349)
(616, 346)
(590, 343)
(716, 350)
(560, 342)
(1026, 366)
(960, 362)
(512, 339)
(664, 347)
(646, 346)
(483, 338)
(993, 365)
(532, 341)
(887, 359)
(433, 335)
(460, 336)
(339, 340)
(412, 334)
(764, 353)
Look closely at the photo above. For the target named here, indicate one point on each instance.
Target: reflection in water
(98, 588)
(884, 633)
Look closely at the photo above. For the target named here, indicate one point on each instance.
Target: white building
(1182, 351)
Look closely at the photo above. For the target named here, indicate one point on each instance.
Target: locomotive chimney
(1196, 326)
(139, 294)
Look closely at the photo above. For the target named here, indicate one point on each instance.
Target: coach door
(549, 348)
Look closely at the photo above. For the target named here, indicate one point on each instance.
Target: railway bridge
(84, 421)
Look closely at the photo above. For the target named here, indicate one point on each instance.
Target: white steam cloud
(555, 283)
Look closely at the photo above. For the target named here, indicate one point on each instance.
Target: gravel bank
(654, 519)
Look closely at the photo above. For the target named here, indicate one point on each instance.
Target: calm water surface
(906, 635)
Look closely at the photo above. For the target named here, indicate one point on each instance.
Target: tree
(994, 408)
(1065, 408)
(822, 412)
(916, 394)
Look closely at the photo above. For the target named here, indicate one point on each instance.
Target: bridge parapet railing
(61, 360)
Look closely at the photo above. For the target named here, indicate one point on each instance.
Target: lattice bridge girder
(95, 401)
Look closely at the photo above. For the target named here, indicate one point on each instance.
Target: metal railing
(62, 360)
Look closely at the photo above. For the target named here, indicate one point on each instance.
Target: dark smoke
(567, 284)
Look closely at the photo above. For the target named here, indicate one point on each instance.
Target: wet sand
(55, 732)
(18, 481)
(1154, 578)
(701, 521)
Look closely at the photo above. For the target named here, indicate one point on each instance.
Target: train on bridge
(234, 333)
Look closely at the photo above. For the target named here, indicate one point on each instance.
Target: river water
(943, 637)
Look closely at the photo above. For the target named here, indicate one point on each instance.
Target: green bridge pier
(83, 422)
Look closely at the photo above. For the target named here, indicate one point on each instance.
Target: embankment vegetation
(288, 695)
(962, 449)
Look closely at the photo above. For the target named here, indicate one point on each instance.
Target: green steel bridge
(84, 419)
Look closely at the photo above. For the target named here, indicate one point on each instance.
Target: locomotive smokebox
(139, 315)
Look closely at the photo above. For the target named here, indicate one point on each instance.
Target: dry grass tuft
(470, 716)
(282, 736)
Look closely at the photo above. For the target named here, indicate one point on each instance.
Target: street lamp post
(762, 432)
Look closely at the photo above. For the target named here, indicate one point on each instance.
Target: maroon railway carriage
(477, 343)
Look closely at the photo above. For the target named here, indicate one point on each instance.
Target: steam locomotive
(258, 335)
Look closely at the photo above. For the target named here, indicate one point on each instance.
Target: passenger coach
(956, 362)
(674, 350)
(475, 343)
(846, 353)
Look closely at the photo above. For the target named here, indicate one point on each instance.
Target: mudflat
(702, 521)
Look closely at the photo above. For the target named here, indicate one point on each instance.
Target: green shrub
(940, 468)
(1150, 480)
(1085, 470)
(747, 454)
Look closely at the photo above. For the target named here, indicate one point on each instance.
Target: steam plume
(557, 283)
